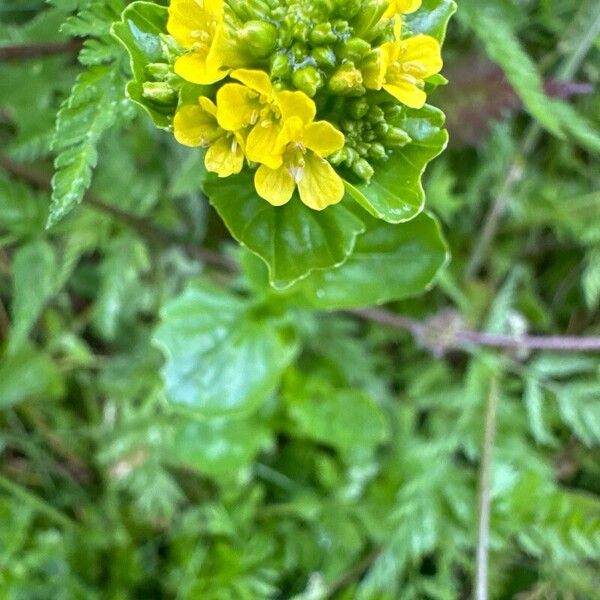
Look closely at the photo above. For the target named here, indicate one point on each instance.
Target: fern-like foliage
(95, 103)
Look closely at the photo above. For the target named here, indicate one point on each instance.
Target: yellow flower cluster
(275, 130)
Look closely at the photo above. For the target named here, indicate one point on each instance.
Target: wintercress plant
(315, 105)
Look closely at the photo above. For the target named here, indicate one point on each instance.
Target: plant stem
(25, 51)
(37, 503)
(485, 482)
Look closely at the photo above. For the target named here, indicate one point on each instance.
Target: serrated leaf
(534, 403)
(431, 18)
(390, 262)
(34, 278)
(139, 31)
(395, 193)
(222, 357)
(293, 240)
(89, 111)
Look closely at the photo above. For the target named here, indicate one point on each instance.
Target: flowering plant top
(298, 105)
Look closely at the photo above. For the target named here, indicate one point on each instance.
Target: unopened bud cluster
(350, 63)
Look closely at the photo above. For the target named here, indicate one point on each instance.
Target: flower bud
(351, 156)
(300, 31)
(247, 10)
(323, 34)
(338, 157)
(280, 66)
(349, 7)
(159, 71)
(377, 151)
(375, 115)
(324, 57)
(363, 169)
(354, 49)
(258, 37)
(159, 92)
(308, 80)
(396, 137)
(358, 108)
(347, 81)
(369, 17)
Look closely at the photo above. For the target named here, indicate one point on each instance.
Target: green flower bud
(300, 31)
(280, 66)
(369, 17)
(363, 169)
(323, 34)
(381, 129)
(308, 80)
(375, 115)
(347, 81)
(353, 49)
(351, 156)
(247, 10)
(377, 151)
(357, 109)
(259, 38)
(159, 92)
(159, 71)
(396, 137)
(362, 149)
(324, 57)
(349, 8)
(338, 157)
(299, 52)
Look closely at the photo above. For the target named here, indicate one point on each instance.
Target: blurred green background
(357, 476)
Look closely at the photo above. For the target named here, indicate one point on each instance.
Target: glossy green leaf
(222, 356)
(293, 240)
(390, 262)
(139, 31)
(432, 18)
(395, 193)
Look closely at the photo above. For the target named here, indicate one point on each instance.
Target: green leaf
(395, 193)
(27, 373)
(34, 282)
(222, 356)
(139, 30)
(293, 239)
(390, 262)
(432, 18)
(89, 111)
(347, 420)
(218, 447)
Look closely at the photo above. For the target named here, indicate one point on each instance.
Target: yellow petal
(421, 56)
(291, 131)
(320, 185)
(225, 157)
(404, 7)
(323, 138)
(208, 106)
(186, 17)
(407, 93)
(296, 104)
(263, 144)
(276, 186)
(257, 80)
(194, 126)
(194, 68)
(377, 64)
(237, 106)
(215, 7)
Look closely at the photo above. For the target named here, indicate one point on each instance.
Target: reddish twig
(27, 51)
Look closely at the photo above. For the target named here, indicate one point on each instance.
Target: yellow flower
(198, 26)
(402, 66)
(254, 103)
(401, 7)
(197, 126)
(303, 145)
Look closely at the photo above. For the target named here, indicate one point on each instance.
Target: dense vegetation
(318, 453)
